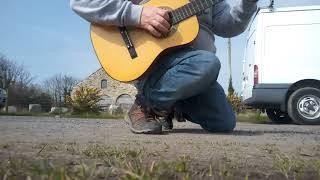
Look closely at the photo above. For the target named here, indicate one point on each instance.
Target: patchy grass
(94, 116)
(296, 168)
(99, 162)
(255, 117)
(14, 168)
(110, 162)
(287, 165)
(98, 151)
(67, 115)
(249, 116)
(26, 114)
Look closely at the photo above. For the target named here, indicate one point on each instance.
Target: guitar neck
(191, 9)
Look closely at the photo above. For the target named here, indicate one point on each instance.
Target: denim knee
(211, 65)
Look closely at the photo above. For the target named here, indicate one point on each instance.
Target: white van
(281, 67)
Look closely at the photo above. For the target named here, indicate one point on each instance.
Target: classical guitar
(126, 53)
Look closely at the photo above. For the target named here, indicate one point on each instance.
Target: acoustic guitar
(126, 53)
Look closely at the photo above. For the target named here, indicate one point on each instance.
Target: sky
(48, 38)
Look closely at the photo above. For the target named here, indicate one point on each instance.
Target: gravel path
(49, 130)
(253, 144)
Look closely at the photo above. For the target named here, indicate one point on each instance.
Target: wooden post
(230, 88)
(7, 99)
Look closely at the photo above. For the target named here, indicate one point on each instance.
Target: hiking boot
(141, 120)
(165, 118)
(181, 117)
(167, 124)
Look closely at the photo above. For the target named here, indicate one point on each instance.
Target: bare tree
(10, 74)
(25, 78)
(59, 86)
(21, 95)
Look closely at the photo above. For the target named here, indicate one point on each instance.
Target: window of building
(104, 84)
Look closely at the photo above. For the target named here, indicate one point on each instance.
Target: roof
(286, 9)
(283, 9)
(92, 74)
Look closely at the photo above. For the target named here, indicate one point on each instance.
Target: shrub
(85, 99)
(235, 100)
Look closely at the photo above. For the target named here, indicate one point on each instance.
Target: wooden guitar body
(114, 55)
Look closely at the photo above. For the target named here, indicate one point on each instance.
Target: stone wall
(114, 89)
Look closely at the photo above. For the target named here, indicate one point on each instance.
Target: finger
(159, 27)
(163, 13)
(163, 22)
(153, 31)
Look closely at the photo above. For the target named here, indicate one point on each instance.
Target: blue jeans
(187, 81)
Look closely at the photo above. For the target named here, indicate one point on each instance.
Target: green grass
(111, 162)
(119, 164)
(99, 151)
(100, 162)
(296, 168)
(251, 116)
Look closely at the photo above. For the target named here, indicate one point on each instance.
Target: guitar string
(182, 12)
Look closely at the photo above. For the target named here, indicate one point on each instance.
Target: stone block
(11, 109)
(35, 108)
(56, 110)
(115, 110)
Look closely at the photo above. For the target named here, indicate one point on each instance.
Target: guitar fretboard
(191, 9)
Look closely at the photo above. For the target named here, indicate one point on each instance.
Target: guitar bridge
(128, 42)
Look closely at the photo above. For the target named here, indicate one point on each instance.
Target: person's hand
(155, 21)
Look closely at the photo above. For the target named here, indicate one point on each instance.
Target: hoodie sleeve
(232, 21)
(108, 12)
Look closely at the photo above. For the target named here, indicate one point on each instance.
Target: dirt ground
(252, 151)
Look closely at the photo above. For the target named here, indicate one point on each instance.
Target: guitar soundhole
(173, 28)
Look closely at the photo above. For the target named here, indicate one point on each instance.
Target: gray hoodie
(221, 19)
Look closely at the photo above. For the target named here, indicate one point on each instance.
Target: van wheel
(304, 106)
(277, 116)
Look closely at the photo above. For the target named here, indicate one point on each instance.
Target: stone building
(114, 92)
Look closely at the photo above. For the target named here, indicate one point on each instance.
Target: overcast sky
(48, 38)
